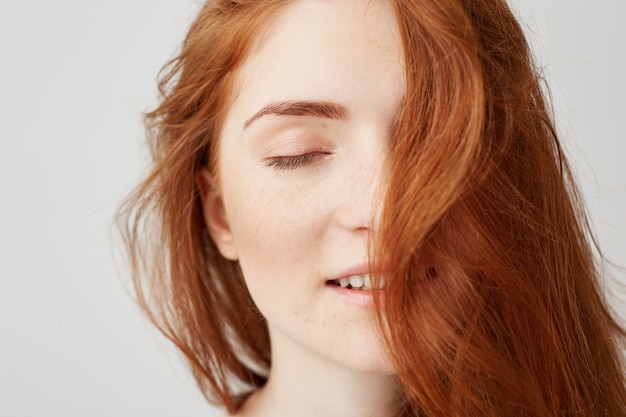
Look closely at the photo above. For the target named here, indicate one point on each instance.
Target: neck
(305, 384)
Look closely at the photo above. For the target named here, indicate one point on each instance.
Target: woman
(360, 208)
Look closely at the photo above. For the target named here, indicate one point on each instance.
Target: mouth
(359, 282)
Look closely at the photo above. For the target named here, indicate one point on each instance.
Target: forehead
(324, 50)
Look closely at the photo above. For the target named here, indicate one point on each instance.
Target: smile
(361, 282)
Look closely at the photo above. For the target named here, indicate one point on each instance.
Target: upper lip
(362, 268)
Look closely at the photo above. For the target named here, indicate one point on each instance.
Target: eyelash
(284, 163)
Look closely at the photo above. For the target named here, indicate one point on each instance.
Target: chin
(369, 358)
(378, 365)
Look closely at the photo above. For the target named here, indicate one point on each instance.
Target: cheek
(278, 231)
(277, 246)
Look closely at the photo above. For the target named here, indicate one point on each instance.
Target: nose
(361, 193)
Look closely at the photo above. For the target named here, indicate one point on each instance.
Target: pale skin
(301, 161)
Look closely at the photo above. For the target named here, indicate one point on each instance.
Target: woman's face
(300, 162)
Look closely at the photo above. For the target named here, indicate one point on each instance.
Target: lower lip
(363, 298)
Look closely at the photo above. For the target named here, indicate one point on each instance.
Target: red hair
(492, 306)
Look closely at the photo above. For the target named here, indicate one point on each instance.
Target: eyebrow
(324, 109)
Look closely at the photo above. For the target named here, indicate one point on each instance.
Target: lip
(357, 297)
(358, 269)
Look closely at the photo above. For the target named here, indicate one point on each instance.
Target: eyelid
(290, 162)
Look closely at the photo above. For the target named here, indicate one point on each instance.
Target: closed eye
(283, 163)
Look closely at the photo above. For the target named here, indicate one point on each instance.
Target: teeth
(367, 282)
(356, 281)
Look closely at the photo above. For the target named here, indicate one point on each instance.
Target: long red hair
(492, 306)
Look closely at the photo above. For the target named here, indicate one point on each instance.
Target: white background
(75, 77)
